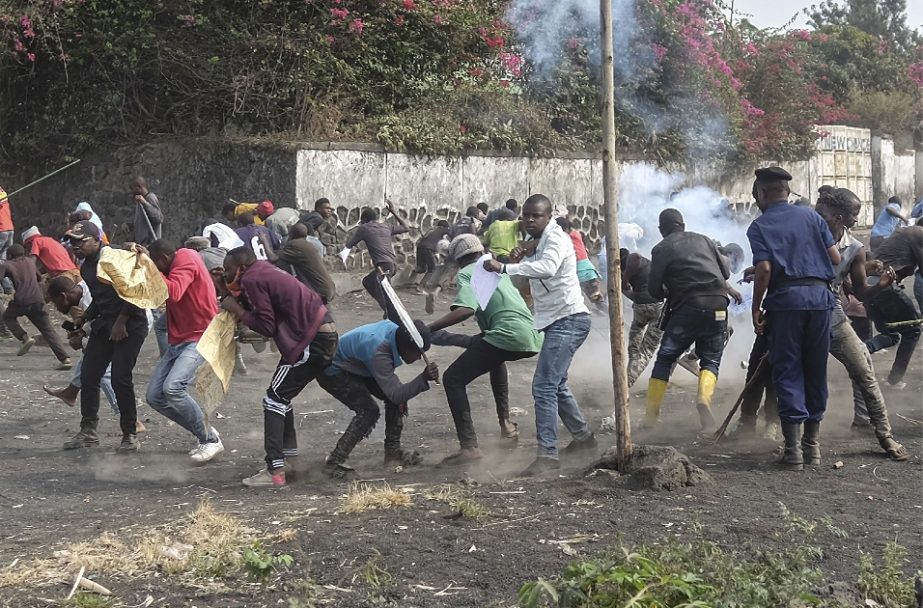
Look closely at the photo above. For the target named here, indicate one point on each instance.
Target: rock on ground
(655, 468)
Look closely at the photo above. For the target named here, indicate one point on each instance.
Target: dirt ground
(421, 554)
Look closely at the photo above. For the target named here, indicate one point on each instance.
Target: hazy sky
(778, 12)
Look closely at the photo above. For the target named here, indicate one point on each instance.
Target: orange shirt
(6, 218)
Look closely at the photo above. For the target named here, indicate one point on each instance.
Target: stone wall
(193, 180)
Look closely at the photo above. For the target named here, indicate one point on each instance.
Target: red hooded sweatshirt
(192, 302)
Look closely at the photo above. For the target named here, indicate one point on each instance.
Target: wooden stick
(610, 204)
(757, 375)
(76, 583)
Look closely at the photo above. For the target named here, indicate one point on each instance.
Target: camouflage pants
(643, 338)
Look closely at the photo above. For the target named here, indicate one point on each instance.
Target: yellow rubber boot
(656, 389)
(707, 382)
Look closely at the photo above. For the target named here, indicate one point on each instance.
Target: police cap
(771, 174)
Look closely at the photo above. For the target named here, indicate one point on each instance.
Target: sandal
(895, 451)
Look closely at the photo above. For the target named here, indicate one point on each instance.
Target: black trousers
(39, 318)
(753, 396)
(358, 394)
(891, 306)
(287, 382)
(478, 359)
(99, 352)
(373, 285)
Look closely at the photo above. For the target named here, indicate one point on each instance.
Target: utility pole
(616, 340)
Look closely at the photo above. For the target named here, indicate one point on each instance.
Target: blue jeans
(549, 385)
(160, 330)
(6, 239)
(168, 390)
(105, 384)
(799, 343)
(688, 325)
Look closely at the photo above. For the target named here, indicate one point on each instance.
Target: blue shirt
(917, 210)
(794, 240)
(886, 223)
(357, 347)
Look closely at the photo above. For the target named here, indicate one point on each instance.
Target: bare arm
(760, 286)
(834, 254)
(451, 318)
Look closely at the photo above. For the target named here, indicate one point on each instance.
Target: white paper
(344, 254)
(483, 282)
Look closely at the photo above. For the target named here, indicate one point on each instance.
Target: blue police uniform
(798, 305)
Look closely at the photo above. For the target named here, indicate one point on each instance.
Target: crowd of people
(266, 267)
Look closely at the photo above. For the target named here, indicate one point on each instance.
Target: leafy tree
(883, 19)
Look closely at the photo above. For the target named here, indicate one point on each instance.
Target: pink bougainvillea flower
(802, 35)
(437, 19)
(18, 46)
(330, 39)
(504, 83)
(409, 5)
(752, 49)
(915, 73)
(573, 43)
(31, 57)
(339, 13)
(476, 72)
(188, 20)
(399, 20)
(357, 26)
(660, 51)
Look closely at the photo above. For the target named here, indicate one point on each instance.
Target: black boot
(86, 438)
(792, 458)
(809, 442)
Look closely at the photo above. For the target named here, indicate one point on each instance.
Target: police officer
(688, 270)
(794, 255)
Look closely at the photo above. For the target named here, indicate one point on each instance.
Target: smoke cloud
(547, 29)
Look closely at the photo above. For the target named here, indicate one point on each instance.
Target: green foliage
(883, 581)
(85, 599)
(697, 572)
(260, 564)
(882, 19)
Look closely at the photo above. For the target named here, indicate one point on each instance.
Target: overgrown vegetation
(697, 573)
(435, 76)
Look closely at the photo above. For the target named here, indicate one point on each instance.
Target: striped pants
(287, 382)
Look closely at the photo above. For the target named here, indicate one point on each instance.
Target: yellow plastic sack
(134, 277)
(219, 349)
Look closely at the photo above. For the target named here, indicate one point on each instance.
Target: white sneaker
(196, 448)
(207, 451)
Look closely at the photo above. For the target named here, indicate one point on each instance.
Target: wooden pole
(616, 340)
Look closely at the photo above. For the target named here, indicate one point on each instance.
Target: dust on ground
(469, 536)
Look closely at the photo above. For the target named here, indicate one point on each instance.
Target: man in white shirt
(565, 321)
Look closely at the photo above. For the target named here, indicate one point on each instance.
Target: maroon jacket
(281, 307)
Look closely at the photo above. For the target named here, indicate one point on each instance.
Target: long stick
(616, 339)
(41, 179)
(757, 375)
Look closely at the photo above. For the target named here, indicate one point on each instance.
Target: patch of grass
(88, 600)
(883, 580)
(211, 544)
(462, 503)
(259, 563)
(373, 574)
(306, 594)
(699, 573)
(363, 497)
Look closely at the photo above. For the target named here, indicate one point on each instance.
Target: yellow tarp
(134, 277)
(219, 349)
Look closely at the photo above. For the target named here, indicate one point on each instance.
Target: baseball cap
(83, 230)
